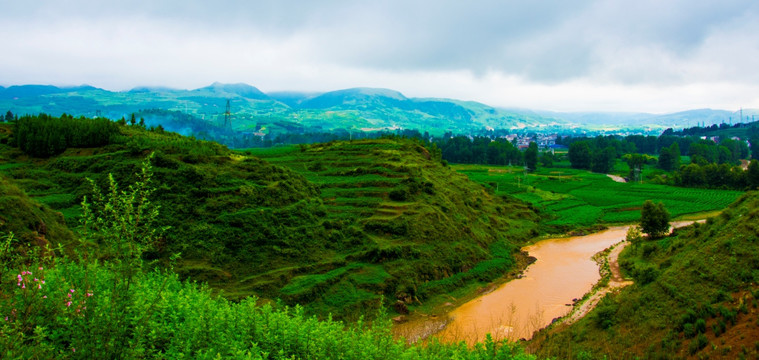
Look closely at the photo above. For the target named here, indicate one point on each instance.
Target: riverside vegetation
(348, 228)
(695, 295)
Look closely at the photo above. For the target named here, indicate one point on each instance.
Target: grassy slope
(695, 295)
(578, 198)
(432, 239)
(331, 237)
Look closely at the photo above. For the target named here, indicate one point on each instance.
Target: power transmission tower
(228, 116)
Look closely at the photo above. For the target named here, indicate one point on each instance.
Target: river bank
(566, 269)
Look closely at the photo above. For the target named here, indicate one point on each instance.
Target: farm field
(578, 198)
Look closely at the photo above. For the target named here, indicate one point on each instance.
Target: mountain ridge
(358, 107)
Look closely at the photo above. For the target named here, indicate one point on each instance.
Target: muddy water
(563, 271)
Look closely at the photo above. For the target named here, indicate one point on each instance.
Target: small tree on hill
(634, 236)
(753, 174)
(531, 156)
(654, 219)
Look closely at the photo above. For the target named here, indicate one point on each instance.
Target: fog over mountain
(646, 56)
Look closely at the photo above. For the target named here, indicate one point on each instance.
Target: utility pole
(228, 116)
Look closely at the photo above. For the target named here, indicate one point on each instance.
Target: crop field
(580, 198)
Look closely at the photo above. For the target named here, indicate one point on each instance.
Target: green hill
(255, 111)
(336, 226)
(695, 296)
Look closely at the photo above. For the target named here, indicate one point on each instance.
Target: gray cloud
(180, 43)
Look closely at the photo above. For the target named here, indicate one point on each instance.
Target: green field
(578, 198)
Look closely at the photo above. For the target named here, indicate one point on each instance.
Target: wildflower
(23, 286)
(69, 296)
(35, 279)
(39, 286)
(72, 290)
(68, 303)
(40, 267)
(44, 297)
(89, 293)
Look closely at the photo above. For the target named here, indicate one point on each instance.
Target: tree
(634, 236)
(654, 219)
(546, 159)
(132, 120)
(674, 151)
(665, 159)
(531, 156)
(603, 160)
(753, 174)
(8, 116)
(579, 155)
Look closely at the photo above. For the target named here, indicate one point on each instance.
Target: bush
(399, 194)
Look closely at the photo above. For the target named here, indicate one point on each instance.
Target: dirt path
(617, 178)
(616, 281)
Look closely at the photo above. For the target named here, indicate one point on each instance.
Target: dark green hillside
(430, 228)
(346, 224)
(695, 295)
(32, 223)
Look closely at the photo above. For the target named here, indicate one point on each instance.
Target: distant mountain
(351, 109)
(255, 111)
(291, 98)
(349, 99)
(678, 120)
(231, 90)
(26, 91)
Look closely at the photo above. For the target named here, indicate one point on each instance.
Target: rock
(448, 304)
(400, 319)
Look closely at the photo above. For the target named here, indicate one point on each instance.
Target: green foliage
(44, 136)
(580, 155)
(603, 160)
(67, 311)
(122, 222)
(634, 236)
(569, 198)
(531, 156)
(654, 219)
(687, 287)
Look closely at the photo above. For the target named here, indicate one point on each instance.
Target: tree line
(44, 135)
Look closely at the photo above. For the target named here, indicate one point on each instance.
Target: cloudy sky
(643, 55)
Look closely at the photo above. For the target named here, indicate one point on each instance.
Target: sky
(624, 56)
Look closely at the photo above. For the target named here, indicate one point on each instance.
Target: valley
(383, 228)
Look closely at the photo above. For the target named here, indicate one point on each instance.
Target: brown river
(564, 271)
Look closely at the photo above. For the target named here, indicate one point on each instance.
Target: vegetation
(694, 296)
(54, 307)
(570, 199)
(43, 136)
(334, 227)
(654, 219)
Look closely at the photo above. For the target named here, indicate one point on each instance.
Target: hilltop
(336, 226)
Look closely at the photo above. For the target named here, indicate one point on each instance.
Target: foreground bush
(70, 310)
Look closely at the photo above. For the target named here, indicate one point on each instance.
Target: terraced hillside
(333, 226)
(429, 227)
